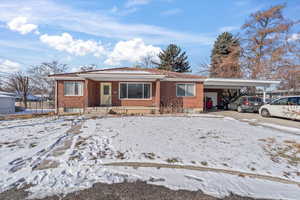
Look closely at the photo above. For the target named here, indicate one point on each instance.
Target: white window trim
(142, 99)
(66, 95)
(186, 84)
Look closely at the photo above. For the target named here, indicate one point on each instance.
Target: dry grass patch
(150, 156)
(47, 164)
(289, 150)
(173, 160)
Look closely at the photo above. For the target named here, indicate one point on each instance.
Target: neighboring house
(138, 90)
(7, 103)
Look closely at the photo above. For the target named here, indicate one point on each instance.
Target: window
(283, 101)
(106, 89)
(73, 110)
(73, 88)
(185, 90)
(294, 101)
(135, 90)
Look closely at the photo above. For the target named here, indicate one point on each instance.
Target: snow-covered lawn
(61, 155)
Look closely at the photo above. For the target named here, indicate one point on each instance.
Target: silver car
(246, 104)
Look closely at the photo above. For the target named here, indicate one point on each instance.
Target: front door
(105, 94)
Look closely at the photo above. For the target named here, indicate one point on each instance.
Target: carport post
(264, 95)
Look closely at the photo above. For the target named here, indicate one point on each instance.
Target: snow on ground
(34, 111)
(61, 155)
(283, 128)
(220, 143)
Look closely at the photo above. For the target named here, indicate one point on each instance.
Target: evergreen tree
(173, 59)
(225, 57)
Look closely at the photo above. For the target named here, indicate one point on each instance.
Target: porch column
(56, 97)
(157, 94)
(86, 94)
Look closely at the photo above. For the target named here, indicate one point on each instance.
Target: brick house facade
(164, 90)
(137, 90)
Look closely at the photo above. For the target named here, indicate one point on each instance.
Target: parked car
(246, 104)
(286, 107)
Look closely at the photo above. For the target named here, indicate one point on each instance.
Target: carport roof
(237, 83)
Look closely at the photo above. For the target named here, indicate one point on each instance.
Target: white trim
(185, 88)
(142, 99)
(222, 87)
(184, 79)
(238, 82)
(66, 78)
(120, 76)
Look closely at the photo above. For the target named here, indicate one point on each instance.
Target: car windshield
(254, 99)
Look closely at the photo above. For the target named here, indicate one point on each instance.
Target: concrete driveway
(256, 116)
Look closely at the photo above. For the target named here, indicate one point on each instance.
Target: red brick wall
(68, 101)
(168, 95)
(93, 93)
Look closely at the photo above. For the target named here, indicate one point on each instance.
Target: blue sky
(112, 33)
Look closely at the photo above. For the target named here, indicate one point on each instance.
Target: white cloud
(130, 51)
(20, 25)
(171, 12)
(67, 43)
(294, 37)
(228, 28)
(98, 24)
(8, 66)
(132, 3)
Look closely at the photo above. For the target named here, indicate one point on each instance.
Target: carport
(214, 86)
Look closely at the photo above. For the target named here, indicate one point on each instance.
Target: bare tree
(148, 61)
(90, 67)
(20, 83)
(265, 48)
(39, 75)
(204, 67)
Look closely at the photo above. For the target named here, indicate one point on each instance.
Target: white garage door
(213, 96)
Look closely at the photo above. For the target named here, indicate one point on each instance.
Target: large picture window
(185, 90)
(135, 90)
(73, 88)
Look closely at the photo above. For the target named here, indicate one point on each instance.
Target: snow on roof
(6, 96)
(122, 72)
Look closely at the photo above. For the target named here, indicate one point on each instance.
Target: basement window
(73, 110)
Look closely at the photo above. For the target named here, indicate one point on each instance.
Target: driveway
(258, 118)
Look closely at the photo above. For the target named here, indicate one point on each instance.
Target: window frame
(74, 95)
(143, 83)
(194, 92)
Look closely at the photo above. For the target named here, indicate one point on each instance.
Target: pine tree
(173, 59)
(225, 57)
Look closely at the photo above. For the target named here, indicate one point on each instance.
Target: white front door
(105, 94)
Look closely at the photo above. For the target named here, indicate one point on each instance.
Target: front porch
(126, 110)
(103, 95)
